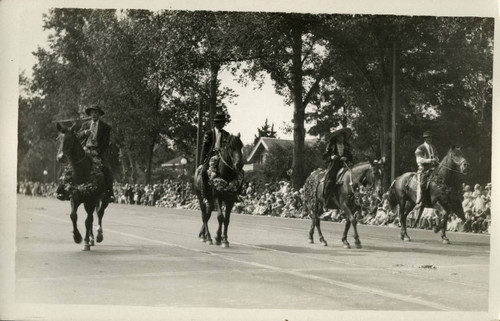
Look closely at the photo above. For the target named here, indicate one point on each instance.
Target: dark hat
(343, 131)
(427, 134)
(220, 117)
(94, 107)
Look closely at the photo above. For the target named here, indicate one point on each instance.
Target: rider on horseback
(427, 159)
(338, 154)
(94, 135)
(213, 140)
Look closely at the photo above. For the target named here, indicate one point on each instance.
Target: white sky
(248, 112)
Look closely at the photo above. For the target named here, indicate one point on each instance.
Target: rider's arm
(421, 159)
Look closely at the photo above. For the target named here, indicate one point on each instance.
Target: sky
(248, 111)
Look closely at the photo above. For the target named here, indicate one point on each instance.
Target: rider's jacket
(100, 140)
(209, 142)
(425, 155)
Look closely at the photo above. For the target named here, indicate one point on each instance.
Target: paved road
(152, 257)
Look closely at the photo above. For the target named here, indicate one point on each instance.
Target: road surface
(152, 257)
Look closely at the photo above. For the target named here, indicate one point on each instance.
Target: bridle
(231, 167)
(80, 160)
(441, 164)
(371, 173)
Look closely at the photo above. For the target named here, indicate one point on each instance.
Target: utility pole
(395, 113)
(199, 133)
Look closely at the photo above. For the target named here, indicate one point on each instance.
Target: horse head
(67, 140)
(455, 161)
(232, 156)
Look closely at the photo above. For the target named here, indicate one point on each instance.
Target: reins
(449, 168)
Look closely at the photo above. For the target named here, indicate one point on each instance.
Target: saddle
(338, 178)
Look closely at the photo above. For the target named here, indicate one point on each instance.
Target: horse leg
(313, 217)
(347, 226)
(100, 213)
(403, 214)
(350, 219)
(220, 220)
(77, 237)
(320, 235)
(442, 225)
(207, 237)
(203, 208)
(89, 208)
(227, 218)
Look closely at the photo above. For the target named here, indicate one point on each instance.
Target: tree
(264, 131)
(280, 159)
(289, 49)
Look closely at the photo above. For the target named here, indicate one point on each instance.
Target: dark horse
(366, 173)
(444, 192)
(229, 169)
(88, 185)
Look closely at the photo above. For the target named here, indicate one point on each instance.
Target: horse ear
(239, 135)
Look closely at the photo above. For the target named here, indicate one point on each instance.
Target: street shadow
(326, 250)
(447, 250)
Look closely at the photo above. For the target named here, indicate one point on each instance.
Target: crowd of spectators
(281, 200)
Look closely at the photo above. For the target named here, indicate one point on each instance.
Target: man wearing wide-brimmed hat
(95, 135)
(427, 158)
(213, 140)
(338, 153)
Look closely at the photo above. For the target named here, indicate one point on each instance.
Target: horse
(88, 186)
(223, 190)
(368, 174)
(444, 192)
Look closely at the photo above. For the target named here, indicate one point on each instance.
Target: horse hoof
(358, 246)
(347, 246)
(77, 238)
(99, 238)
(86, 247)
(92, 243)
(311, 241)
(202, 239)
(209, 242)
(446, 241)
(324, 243)
(407, 239)
(225, 244)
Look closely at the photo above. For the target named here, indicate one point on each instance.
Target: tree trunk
(214, 84)
(132, 168)
(298, 111)
(150, 157)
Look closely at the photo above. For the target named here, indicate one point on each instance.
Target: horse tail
(310, 199)
(392, 196)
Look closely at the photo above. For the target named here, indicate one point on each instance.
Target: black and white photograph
(191, 160)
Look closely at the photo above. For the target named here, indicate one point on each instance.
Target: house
(261, 150)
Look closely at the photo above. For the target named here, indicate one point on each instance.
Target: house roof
(267, 143)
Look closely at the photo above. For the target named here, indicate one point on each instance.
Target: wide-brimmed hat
(343, 131)
(220, 118)
(94, 107)
(427, 133)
